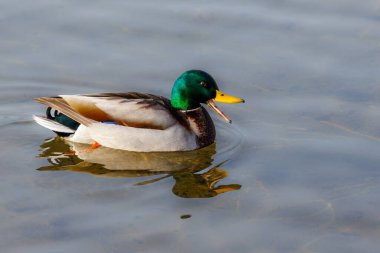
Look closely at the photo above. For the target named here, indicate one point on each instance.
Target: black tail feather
(59, 117)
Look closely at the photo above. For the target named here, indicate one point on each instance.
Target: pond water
(297, 171)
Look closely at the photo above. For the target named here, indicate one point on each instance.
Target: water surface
(297, 171)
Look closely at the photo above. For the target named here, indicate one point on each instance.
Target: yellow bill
(223, 98)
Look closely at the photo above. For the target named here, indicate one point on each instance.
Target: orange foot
(94, 146)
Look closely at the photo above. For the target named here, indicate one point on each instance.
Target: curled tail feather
(60, 129)
(60, 105)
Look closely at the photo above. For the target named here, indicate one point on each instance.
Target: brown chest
(202, 125)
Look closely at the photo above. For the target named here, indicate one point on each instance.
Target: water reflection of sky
(303, 147)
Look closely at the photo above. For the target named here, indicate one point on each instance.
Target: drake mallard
(139, 121)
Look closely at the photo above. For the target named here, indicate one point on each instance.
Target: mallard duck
(139, 121)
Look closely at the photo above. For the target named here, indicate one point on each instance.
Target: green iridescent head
(195, 87)
(192, 88)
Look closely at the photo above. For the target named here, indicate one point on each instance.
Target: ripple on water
(229, 140)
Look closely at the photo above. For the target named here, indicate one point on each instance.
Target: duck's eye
(204, 84)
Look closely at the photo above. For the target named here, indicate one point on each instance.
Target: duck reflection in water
(105, 162)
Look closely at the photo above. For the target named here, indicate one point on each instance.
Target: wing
(130, 109)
